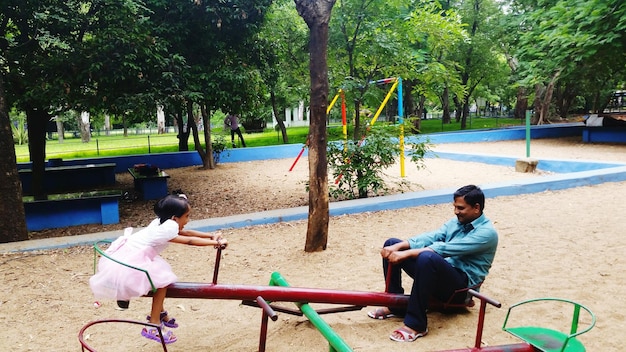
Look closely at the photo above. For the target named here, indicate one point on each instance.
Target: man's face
(464, 212)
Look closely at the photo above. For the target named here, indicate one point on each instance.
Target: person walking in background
(456, 256)
(232, 121)
(142, 250)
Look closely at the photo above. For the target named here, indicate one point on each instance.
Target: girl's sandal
(171, 323)
(153, 334)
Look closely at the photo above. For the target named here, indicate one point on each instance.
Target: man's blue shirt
(472, 251)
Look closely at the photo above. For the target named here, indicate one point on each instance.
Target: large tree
(215, 40)
(282, 59)
(476, 57)
(52, 65)
(316, 14)
(11, 189)
(564, 47)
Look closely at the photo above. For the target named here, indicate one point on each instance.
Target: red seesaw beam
(284, 294)
(518, 347)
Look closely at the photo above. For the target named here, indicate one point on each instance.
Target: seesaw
(534, 338)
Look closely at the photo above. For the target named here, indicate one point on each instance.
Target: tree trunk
(192, 126)
(458, 109)
(36, 118)
(84, 126)
(564, 97)
(281, 123)
(521, 105)
(420, 113)
(60, 130)
(465, 113)
(125, 124)
(357, 133)
(11, 206)
(407, 97)
(316, 14)
(539, 92)
(183, 129)
(445, 106)
(207, 160)
(544, 106)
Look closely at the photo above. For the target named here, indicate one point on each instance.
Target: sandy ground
(565, 244)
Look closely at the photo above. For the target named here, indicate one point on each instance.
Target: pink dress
(141, 250)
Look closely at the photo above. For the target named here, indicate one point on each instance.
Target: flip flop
(153, 334)
(168, 323)
(406, 335)
(380, 314)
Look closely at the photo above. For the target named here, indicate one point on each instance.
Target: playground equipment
(535, 338)
(551, 340)
(396, 83)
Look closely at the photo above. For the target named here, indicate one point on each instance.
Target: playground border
(572, 174)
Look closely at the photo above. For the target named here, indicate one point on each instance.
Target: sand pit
(566, 244)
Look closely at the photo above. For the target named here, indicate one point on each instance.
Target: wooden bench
(150, 186)
(71, 209)
(59, 179)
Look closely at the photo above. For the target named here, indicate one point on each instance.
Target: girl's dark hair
(171, 205)
(472, 195)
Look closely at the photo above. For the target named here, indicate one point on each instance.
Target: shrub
(218, 144)
(18, 127)
(357, 167)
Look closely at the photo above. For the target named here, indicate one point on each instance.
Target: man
(456, 256)
(232, 122)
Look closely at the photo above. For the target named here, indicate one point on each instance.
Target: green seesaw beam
(335, 341)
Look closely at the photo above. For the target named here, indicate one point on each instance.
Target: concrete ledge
(604, 135)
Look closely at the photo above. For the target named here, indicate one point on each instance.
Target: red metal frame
(520, 347)
(259, 294)
(84, 344)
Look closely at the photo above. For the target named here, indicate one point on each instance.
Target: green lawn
(102, 145)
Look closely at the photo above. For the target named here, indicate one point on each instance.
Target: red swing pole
(298, 157)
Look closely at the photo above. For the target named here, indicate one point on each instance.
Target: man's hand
(393, 254)
(397, 257)
(386, 252)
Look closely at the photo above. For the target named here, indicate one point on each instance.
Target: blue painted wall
(182, 159)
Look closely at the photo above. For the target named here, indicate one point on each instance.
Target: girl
(141, 250)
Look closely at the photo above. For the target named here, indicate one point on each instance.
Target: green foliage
(18, 126)
(357, 167)
(581, 42)
(218, 144)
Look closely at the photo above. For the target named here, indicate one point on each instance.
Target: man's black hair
(472, 195)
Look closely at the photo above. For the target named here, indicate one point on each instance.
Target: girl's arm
(200, 241)
(194, 233)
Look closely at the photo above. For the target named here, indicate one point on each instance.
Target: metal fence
(144, 140)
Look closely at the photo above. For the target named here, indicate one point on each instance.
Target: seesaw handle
(218, 256)
(484, 298)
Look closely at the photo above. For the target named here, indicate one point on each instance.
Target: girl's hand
(216, 235)
(221, 243)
